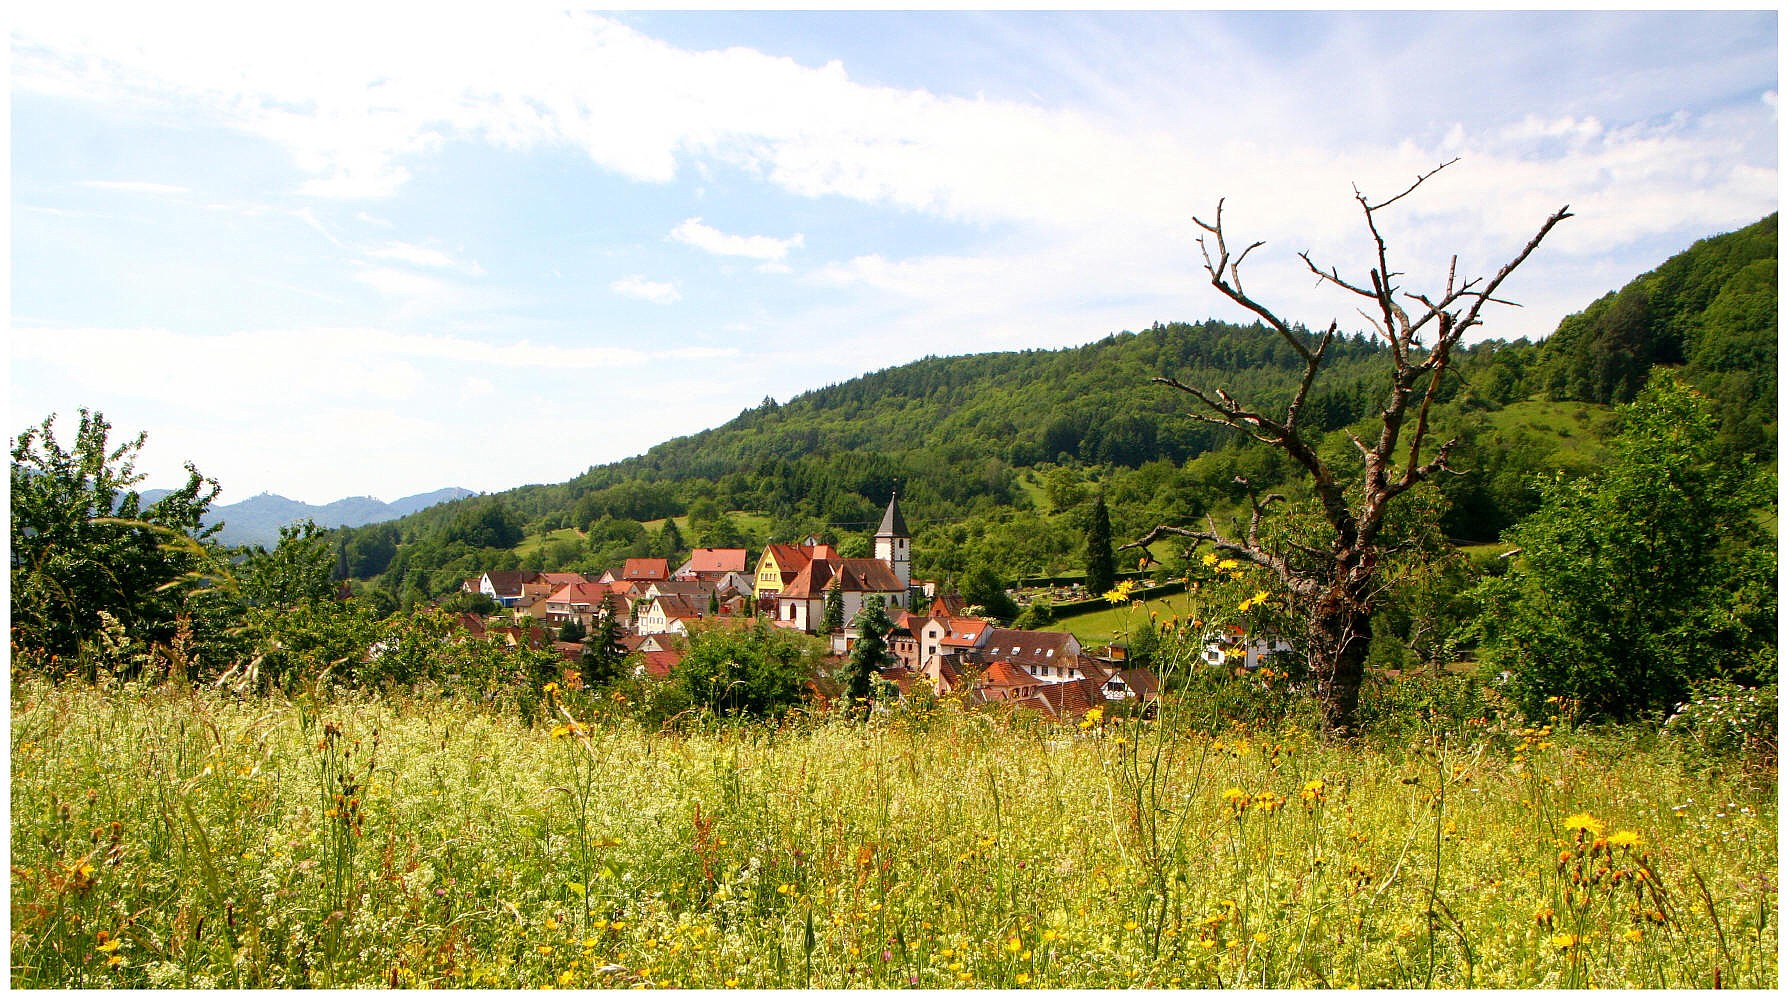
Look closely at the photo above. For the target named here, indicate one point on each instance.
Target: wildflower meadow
(167, 837)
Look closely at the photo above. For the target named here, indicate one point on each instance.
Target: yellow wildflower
(1565, 940)
(1624, 838)
(1120, 593)
(1584, 822)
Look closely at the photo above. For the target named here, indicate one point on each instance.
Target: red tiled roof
(716, 561)
(580, 592)
(853, 576)
(1071, 699)
(646, 569)
(658, 664)
(1004, 675)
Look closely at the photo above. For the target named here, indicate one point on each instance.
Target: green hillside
(996, 456)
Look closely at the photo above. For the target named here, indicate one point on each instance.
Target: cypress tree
(868, 656)
(1101, 563)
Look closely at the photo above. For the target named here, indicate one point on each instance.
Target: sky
(369, 250)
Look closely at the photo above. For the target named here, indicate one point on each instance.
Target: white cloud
(705, 237)
(636, 286)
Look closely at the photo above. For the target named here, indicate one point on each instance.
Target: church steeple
(894, 544)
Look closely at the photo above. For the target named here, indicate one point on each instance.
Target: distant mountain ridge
(257, 520)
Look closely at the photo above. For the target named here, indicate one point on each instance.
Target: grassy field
(165, 838)
(1096, 628)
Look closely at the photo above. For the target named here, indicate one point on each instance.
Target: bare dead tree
(1334, 580)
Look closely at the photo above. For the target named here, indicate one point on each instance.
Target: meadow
(163, 837)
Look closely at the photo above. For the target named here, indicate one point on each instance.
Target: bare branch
(1418, 183)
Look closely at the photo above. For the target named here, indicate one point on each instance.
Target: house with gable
(668, 613)
(780, 564)
(1047, 656)
(645, 570)
(711, 565)
(583, 601)
(505, 585)
(939, 631)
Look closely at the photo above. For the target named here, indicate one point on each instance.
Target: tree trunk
(1340, 633)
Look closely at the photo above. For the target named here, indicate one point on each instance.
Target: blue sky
(362, 251)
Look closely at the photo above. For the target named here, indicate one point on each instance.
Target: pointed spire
(893, 525)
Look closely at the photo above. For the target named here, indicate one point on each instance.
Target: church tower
(894, 544)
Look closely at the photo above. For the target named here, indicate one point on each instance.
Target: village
(938, 646)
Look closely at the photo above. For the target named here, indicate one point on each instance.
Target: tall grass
(168, 838)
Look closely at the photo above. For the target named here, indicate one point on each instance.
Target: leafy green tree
(487, 523)
(669, 543)
(84, 544)
(869, 654)
(1040, 613)
(1633, 584)
(369, 550)
(832, 619)
(1101, 562)
(571, 631)
(604, 656)
(983, 588)
(760, 672)
(297, 571)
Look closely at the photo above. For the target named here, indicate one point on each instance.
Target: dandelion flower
(1624, 838)
(1565, 940)
(1584, 822)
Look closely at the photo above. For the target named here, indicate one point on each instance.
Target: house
(668, 613)
(694, 591)
(802, 603)
(646, 569)
(505, 585)
(1047, 656)
(1234, 647)
(779, 565)
(934, 634)
(583, 601)
(711, 565)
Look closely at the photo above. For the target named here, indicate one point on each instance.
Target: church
(797, 578)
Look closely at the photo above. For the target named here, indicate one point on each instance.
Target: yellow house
(780, 564)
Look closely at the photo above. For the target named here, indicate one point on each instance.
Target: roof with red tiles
(853, 576)
(715, 561)
(646, 569)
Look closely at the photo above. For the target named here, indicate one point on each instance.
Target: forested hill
(994, 451)
(1710, 310)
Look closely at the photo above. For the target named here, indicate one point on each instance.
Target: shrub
(1723, 724)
